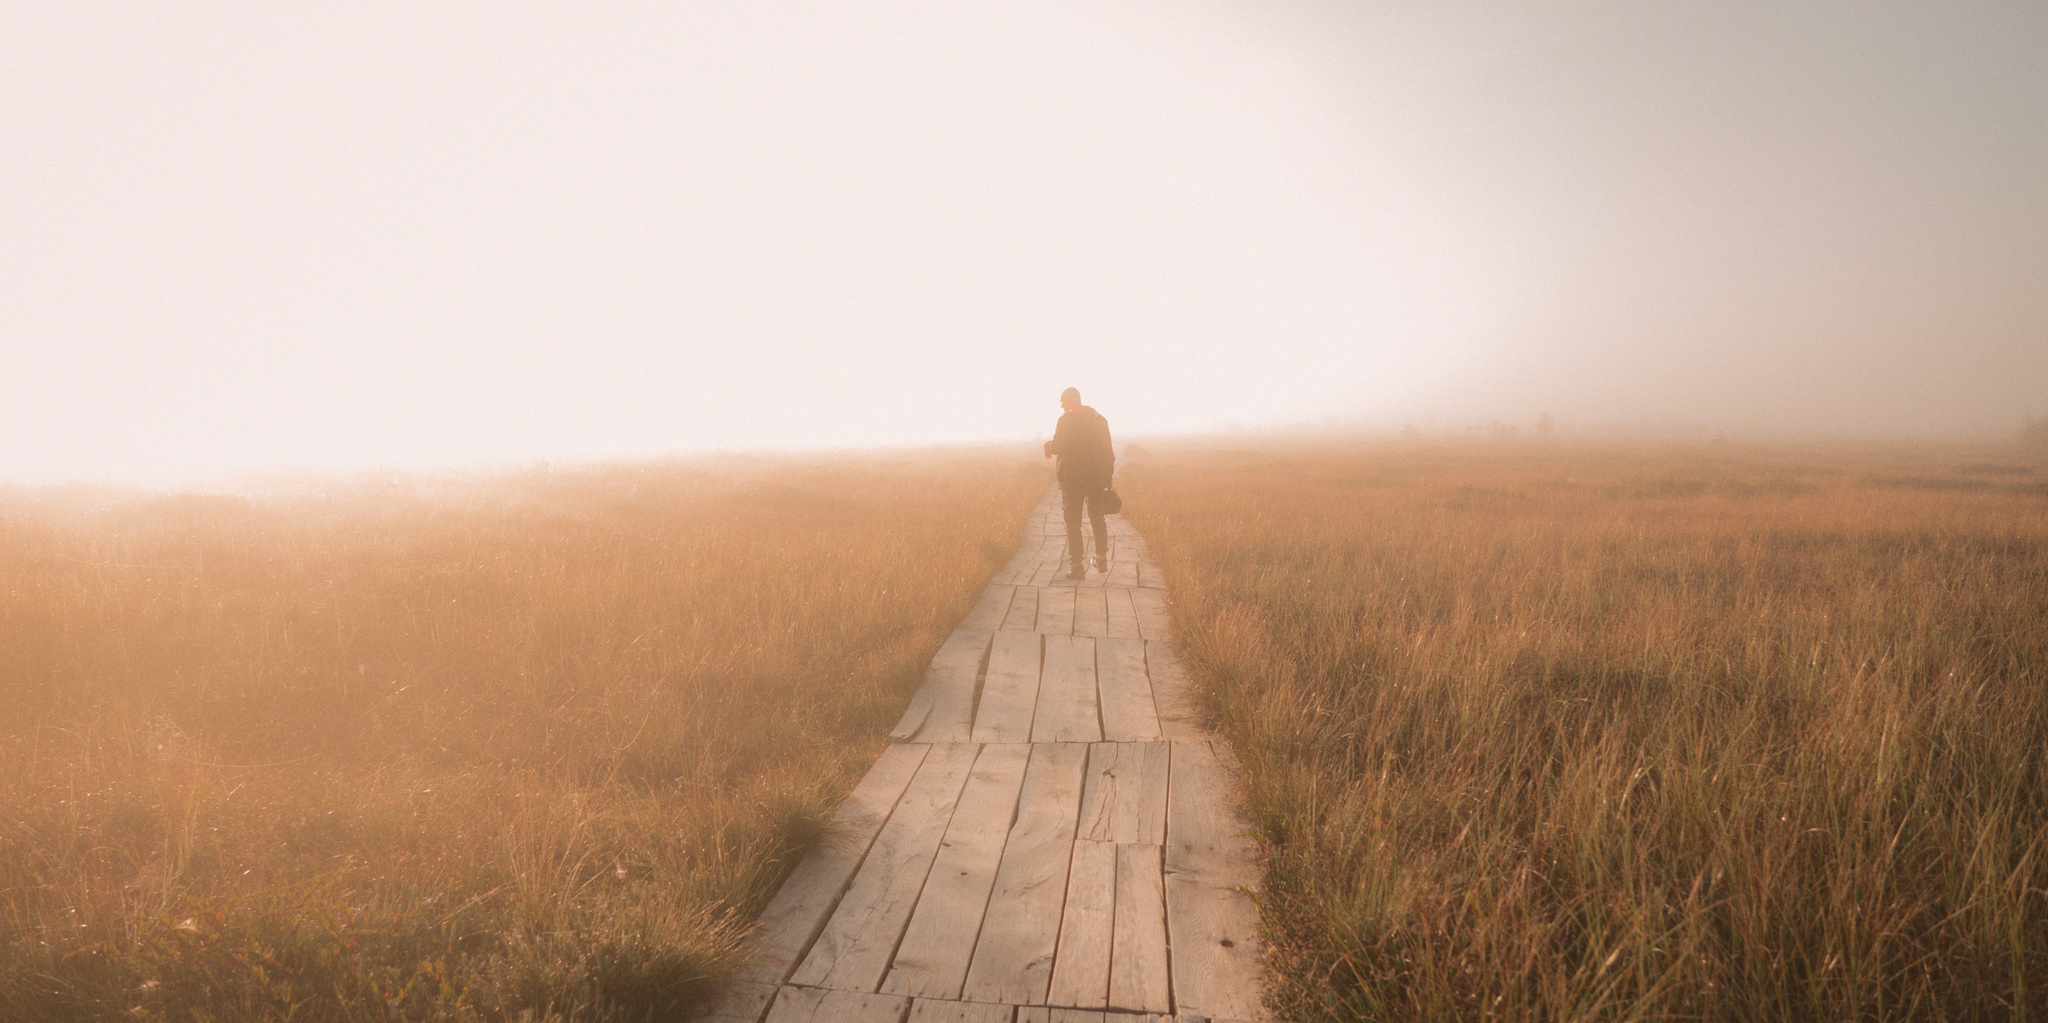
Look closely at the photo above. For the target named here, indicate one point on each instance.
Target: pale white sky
(246, 235)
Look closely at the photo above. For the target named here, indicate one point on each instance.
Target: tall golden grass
(1552, 733)
(528, 747)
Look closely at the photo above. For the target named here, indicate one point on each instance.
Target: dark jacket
(1082, 441)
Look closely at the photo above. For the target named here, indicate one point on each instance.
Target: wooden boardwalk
(1048, 838)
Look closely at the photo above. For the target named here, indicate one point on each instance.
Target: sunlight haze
(246, 236)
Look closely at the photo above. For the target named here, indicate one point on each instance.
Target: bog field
(1530, 731)
(1541, 732)
(530, 747)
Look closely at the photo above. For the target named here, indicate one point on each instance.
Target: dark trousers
(1071, 500)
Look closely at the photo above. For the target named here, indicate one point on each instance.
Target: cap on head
(1070, 398)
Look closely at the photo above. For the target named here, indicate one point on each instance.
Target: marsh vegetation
(1543, 732)
(525, 747)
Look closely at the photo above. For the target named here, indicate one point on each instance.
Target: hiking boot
(1102, 563)
(1077, 572)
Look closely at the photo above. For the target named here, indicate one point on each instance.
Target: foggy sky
(426, 234)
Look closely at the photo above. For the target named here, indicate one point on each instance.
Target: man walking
(1081, 439)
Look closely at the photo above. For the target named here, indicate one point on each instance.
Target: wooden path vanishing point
(1049, 838)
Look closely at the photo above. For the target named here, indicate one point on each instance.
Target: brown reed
(1544, 732)
(527, 747)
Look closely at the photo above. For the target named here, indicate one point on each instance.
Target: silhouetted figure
(1086, 465)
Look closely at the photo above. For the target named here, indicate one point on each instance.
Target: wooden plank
(1091, 612)
(943, 708)
(1049, 574)
(1206, 833)
(989, 609)
(1213, 933)
(1137, 970)
(1009, 694)
(1048, 1014)
(1052, 553)
(1148, 575)
(1066, 693)
(1044, 1014)
(1124, 799)
(1153, 620)
(1080, 971)
(1081, 1016)
(1173, 693)
(1014, 956)
(932, 960)
(1023, 613)
(1056, 611)
(818, 1005)
(1129, 712)
(1122, 614)
(1212, 923)
(854, 949)
(1123, 571)
(933, 1010)
(1027, 565)
(1007, 575)
(793, 918)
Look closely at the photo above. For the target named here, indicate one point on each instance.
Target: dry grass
(1562, 733)
(519, 748)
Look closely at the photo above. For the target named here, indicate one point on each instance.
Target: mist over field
(426, 235)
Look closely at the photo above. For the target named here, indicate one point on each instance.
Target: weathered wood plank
(818, 1005)
(1122, 615)
(1017, 565)
(1173, 693)
(1009, 693)
(1056, 611)
(853, 950)
(1022, 615)
(1148, 575)
(1042, 1014)
(943, 708)
(1129, 712)
(1049, 574)
(1137, 970)
(1214, 947)
(1014, 956)
(1066, 693)
(1124, 799)
(1153, 620)
(1205, 828)
(1080, 971)
(932, 960)
(933, 1010)
(990, 608)
(1210, 861)
(793, 918)
(1091, 612)
(1029, 575)
(1124, 571)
